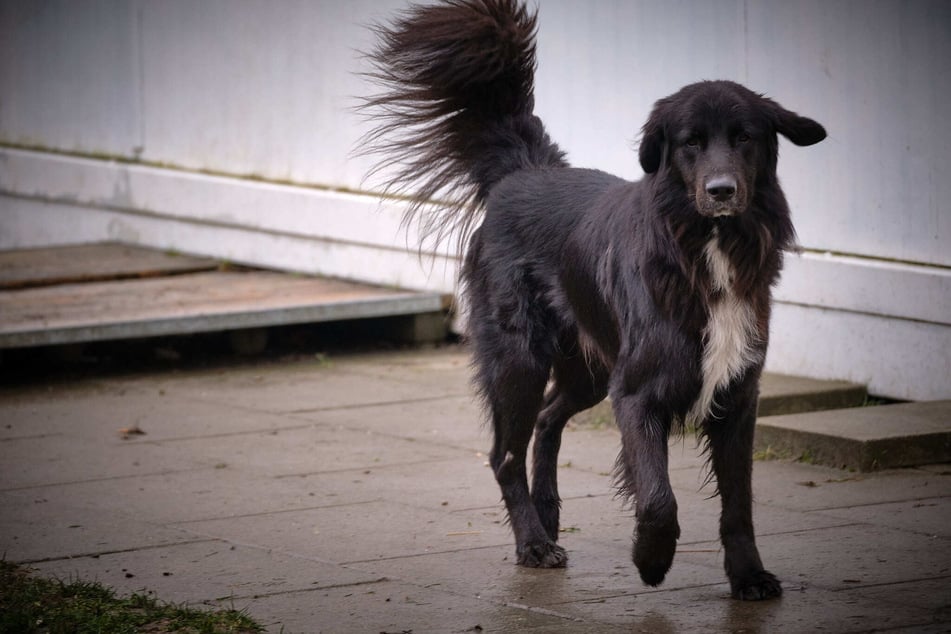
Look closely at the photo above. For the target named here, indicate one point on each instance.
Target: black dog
(656, 293)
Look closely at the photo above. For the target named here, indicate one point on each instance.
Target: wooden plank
(25, 268)
(199, 302)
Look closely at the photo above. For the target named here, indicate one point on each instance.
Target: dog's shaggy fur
(656, 292)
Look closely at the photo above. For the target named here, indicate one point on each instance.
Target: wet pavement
(351, 494)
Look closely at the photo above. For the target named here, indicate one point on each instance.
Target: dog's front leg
(642, 466)
(731, 449)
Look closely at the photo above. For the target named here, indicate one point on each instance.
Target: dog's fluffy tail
(455, 112)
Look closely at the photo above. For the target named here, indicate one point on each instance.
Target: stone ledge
(779, 394)
(784, 394)
(864, 438)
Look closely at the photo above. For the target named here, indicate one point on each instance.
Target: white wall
(222, 127)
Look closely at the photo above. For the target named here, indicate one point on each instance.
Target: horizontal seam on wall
(866, 313)
(158, 215)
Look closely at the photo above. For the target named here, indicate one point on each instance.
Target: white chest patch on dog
(730, 335)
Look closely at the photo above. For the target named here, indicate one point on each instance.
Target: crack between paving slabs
(361, 469)
(224, 434)
(107, 479)
(278, 593)
(883, 584)
(31, 437)
(307, 425)
(636, 593)
(864, 504)
(426, 554)
(350, 406)
(119, 551)
(276, 512)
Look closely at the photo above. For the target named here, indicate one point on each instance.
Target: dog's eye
(693, 141)
(742, 137)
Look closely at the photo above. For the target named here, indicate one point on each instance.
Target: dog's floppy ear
(653, 139)
(800, 130)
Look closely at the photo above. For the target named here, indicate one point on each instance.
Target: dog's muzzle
(722, 196)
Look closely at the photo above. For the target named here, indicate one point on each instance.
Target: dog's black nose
(721, 188)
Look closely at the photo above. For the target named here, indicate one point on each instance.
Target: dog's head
(719, 139)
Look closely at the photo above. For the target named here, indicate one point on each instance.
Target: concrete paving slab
(62, 458)
(937, 626)
(864, 555)
(929, 594)
(36, 528)
(358, 476)
(357, 532)
(804, 487)
(63, 390)
(441, 370)
(452, 421)
(102, 417)
(423, 483)
(686, 453)
(596, 451)
(608, 520)
(297, 387)
(593, 574)
(928, 517)
(708, 609)
(311, 449)
(864, 439)
(591, 450)
(189, 496)
(203, 572)
(399, 607)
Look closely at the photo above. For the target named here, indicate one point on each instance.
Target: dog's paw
(757, 586)
(545, 554)
(653, 551)
(653, 558)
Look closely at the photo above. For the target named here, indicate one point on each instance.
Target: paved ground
(351, 495)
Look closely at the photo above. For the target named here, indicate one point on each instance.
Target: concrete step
(863, 438)
(785, 394)
(825, 422)
(779, 394)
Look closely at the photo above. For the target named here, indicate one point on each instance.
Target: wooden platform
(29, 268)
(111, 291)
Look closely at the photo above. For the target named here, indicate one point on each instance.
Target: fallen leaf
(128, 432)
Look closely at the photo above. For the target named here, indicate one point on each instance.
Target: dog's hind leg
(515, 398)
(642, 466)
(576, 387)
(730, 439)
(512, 370)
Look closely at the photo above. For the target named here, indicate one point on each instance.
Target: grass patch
(807, 457)
(323, 360)
(35, 605)
(875, 401)
(770, 453)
